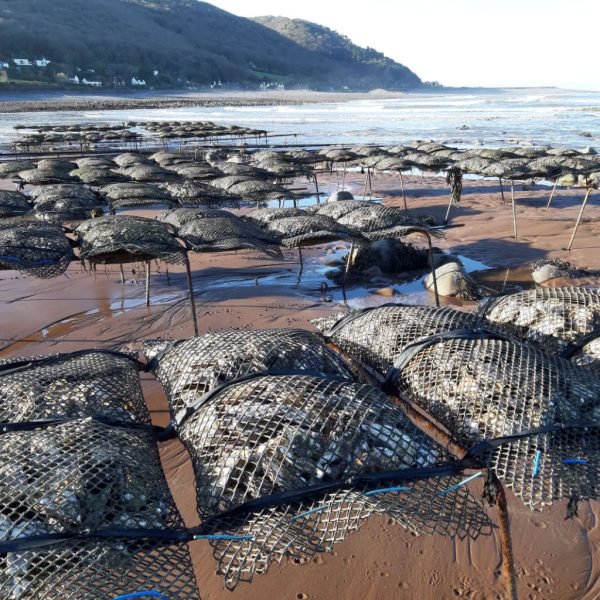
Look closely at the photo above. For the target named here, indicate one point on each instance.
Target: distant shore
(68, 101)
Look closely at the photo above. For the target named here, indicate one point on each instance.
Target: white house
(42, 62)
(74, 79)
(4, 64)
(92, 83)
(135, 81)
(22, 62)
(155, 72)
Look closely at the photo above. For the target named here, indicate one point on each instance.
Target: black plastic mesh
(34, 247)
(84, 476)
(227, 233)
(481, 389)
(306, 230)
(120, 195)
(265, 215)
(374, 217)
(548, 317)
(13, 204)
(336, 210)
(190, 368)
(273, 434)
(123, 238)
(374, 337)
(89, 383)
(180, 216)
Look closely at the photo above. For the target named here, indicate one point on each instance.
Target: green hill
(186, 41)
(366, 62)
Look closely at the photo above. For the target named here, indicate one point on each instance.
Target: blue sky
(464, 42)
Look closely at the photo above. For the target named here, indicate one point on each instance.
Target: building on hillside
(74, 79)
(22, 62)
(155, 72)
(42, 62)
(4, 64)
(92, 83)
(135, 81)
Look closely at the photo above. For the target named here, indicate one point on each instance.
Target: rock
(334, 262)
(388, 292)
(452, 281)
(340, 195)
(544, 271)
(588, 150)
(567, 180)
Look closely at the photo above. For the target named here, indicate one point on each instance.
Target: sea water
(462, 118)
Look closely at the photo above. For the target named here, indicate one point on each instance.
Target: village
(38, 70)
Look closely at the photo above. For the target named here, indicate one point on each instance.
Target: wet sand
(555, 558)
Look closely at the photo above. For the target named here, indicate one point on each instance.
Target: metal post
(501, 190)
(448, 211)
(317, 188)
(122, 273)
(402, 188)
(551, 194)
(147, 283)
(301, 260)
(514, 211)
(585, 199)
(191, 294)
(349, 260)
(508, 558)
(365, 187)
(433, 275)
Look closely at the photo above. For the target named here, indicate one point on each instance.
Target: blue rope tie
(141, 595)
(223, 537)
(575, 461)
(459, 484)
(310, 512)
(536, 463)
(386, 490)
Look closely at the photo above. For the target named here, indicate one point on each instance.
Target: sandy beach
(555, 558)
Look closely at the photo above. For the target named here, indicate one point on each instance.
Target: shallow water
(464, 118)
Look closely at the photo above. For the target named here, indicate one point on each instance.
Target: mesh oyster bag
(307, 230)
(373, 337)
(93, 383)
(488, 390)
(188, 369)
(34, 247)
(229, 233)
(287, 461)
(548, 317)
(114, 239)
(69, 494)
(539, 413)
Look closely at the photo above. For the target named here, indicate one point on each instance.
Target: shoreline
(69, 101)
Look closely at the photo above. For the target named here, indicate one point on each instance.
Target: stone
(451, 281)
(340, 195)
(388, 292)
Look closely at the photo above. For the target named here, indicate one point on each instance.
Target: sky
(490, 43)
